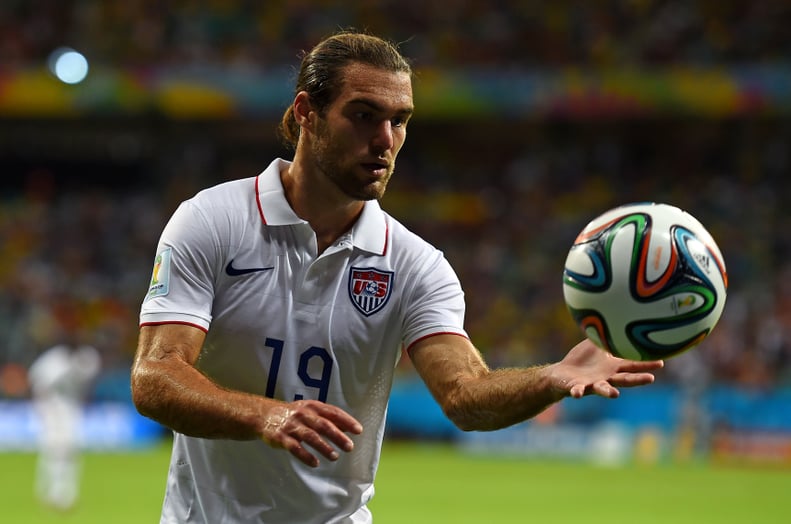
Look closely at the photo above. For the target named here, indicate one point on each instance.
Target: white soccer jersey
(236, 261)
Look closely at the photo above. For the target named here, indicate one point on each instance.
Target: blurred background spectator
(532, 118)
(60, 379)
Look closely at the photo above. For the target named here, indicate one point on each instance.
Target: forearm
(181, 398)
(167, 387)
(500, 398)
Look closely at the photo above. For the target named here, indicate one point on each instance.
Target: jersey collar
(369, 232)
(271, 199)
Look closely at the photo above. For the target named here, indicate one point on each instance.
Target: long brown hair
(320, 71)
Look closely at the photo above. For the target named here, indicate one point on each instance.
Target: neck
(315, 200)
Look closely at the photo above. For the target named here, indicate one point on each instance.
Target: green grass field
(437, 484)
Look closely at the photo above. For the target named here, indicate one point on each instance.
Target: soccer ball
(645, 281)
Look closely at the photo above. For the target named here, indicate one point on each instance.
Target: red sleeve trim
(163, 323)
(409, 348)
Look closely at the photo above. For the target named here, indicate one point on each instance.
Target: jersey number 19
(321, 383)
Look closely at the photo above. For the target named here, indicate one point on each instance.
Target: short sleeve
(182, 281)
(435, 302)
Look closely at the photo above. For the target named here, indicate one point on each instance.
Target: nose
(383, 138)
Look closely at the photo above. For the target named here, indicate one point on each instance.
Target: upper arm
(185, 268)
(163, 353)
(168, 341)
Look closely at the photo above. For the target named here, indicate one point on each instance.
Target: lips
(376, 168)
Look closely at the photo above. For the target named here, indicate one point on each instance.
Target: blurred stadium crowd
(451, 33)
(503, 199)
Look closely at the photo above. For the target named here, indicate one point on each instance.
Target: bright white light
(68, 65)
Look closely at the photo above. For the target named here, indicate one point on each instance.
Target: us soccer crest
(369, 289)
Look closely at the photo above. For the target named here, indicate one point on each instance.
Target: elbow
(142, 398)
(138, 399)
(463, 405)
(463, 424)
(468, 417)
(468, 424)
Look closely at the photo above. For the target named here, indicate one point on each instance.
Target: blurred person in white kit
(60, 380)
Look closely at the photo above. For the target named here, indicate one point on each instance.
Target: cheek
(398, 141)
(330, 144)
(345, 139)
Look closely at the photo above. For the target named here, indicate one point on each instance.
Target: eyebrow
(378, 107)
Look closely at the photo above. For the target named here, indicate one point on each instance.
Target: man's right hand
(321, 426)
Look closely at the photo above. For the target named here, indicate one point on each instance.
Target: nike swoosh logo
(235, 272)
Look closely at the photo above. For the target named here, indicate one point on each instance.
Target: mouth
(377, 169)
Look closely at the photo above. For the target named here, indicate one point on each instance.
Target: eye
(398, 121)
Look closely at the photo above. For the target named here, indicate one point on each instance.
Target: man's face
(358, 138)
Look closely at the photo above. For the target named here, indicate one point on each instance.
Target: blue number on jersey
(321, 383)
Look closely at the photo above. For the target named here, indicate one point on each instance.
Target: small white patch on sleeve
(160, 277)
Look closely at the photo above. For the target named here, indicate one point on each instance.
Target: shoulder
(222, 208)
(240, 197)
(52, 358)
(227, 194)
(88, 359)
(404, 241)
(414, 254)
(57, 352)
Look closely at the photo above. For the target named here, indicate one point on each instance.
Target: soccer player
(280, 303)
(60, 379)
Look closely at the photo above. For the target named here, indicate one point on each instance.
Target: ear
(303, 110)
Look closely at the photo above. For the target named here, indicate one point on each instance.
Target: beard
(349, 176)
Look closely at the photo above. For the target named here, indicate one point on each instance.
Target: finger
(324, 428)
(639, 366)
(632, 379)
(289, 433)
(294, 447)
(315, 441)
(342, 420)
(577, 391)
(605, 389)
(295, 442)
